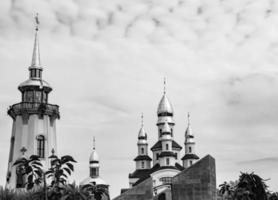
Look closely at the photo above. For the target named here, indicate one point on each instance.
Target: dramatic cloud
(106, 61)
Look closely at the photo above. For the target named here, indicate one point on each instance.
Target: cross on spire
(94, 143)
(164, 91)
(188, 118)
(37, 21)
(23, 150)
(142, 119)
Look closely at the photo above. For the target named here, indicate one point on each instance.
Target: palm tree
(226, 191)
(96, 191)
(74, 192)
(31, 168)
(250, 187)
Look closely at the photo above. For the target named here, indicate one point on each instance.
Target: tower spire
(36, 62)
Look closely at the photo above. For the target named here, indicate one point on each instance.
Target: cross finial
(188, 118)
(164, 91)
(53, 151)
(94, 143)
(142, 119)
(23, 150)
(37, 21)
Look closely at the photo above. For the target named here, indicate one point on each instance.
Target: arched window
(157, 156)
(191, 162)
(142, 150)
(167, 146)
(190, 149)
(41, 146)
(160, 132)
(171, 132)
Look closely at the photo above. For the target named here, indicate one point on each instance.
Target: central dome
(165, 106)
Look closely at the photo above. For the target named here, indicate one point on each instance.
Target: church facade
(166, 161)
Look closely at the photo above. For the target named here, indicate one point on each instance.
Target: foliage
(31, 168)
(60, 169)
(96, 191)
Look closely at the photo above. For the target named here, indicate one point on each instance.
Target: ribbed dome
(94, 156)
(165, 106)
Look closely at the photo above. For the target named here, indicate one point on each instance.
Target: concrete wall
(142, 191)
(197, 182)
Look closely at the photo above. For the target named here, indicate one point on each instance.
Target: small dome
(97, 181)
(35, 82)
(165, 106)
(142, 133)
(94, 156)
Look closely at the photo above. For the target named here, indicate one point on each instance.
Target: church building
(166, 161)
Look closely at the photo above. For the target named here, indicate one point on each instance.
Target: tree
(96, 191)
(31, 168)
(74, 192)
(226, 191)
(59, 171)
(250, 187)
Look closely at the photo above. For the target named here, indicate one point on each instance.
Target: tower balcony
(29, 108)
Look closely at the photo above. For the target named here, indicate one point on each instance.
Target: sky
(106, 61)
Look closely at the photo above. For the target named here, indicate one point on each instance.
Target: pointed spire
(36, 62)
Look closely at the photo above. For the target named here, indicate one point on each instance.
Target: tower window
(94, 172)
(190, 149)
(142, 150)
(167, 146)
(157, 156)
(167, 161)
(191, 162)
(171, 132)
(11, 150)
(160, 132)
(41, 146)
(142, 164)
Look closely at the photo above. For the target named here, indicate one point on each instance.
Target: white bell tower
(34, 120)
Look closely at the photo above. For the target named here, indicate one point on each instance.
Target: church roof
(190, 156)
(165, 106)
(139, 173)
(142, 157)
(97, 181)
(158, 145)
(146, 173)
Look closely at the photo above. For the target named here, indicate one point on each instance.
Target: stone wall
(142, 191)
(197, 182)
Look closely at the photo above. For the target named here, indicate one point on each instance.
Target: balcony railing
(33, 108)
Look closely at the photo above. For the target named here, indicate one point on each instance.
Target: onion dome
(165, 107)
(142, 135)
(94, 156)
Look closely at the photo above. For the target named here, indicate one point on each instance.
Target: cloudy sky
(106, 61)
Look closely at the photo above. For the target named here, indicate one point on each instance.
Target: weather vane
(37, 21)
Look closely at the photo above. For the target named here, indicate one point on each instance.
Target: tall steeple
(142, 160)
(34, 119)
(166, 150)
(94, 166)
(190, 156)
